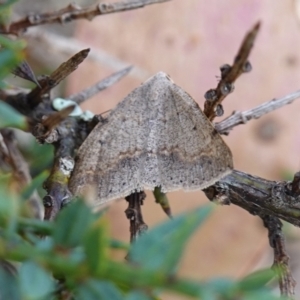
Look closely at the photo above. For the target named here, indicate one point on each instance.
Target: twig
(99, 86)
(281, 259)
(259, 196)
(238, 118)
(214, 97)
(64, 70)
(74, 12)
(134, 214)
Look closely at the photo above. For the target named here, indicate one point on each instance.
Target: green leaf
(128, 276)
(261, 295)
(8, 61)
(119, 245)
(222, 286)
(9, 117)
(8, 199)
(9, 206)
(98, 290)
(72, 224)
(162, 247)
(9, 288)
(35, 183)
(40, 227)
(138, 295)
(7, 3)
(35, 282)
(11, 53)
(39, 157)
(256, 280)
(96, 246)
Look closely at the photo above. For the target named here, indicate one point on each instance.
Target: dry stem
(74, 12)
(281, 259)
(238, 118)
(99, 86)
(56, 77)
(229, 74)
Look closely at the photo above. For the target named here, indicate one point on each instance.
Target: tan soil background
(190, 40)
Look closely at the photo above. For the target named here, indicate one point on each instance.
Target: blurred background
(190, 40)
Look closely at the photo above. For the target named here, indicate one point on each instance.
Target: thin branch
(99, 86)
(281, 259)
(64, 70)
(238, 118)
(74, 12)
(229, 74)
(259, 196)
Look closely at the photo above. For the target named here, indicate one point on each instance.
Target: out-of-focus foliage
(6, 11)
(11, 54)
(74, 256)
(9, 117)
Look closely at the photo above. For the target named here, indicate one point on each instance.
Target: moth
(155, 137)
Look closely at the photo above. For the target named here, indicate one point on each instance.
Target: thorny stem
(74, 12)
(229, 74)
(243, 117)
(99, 86)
